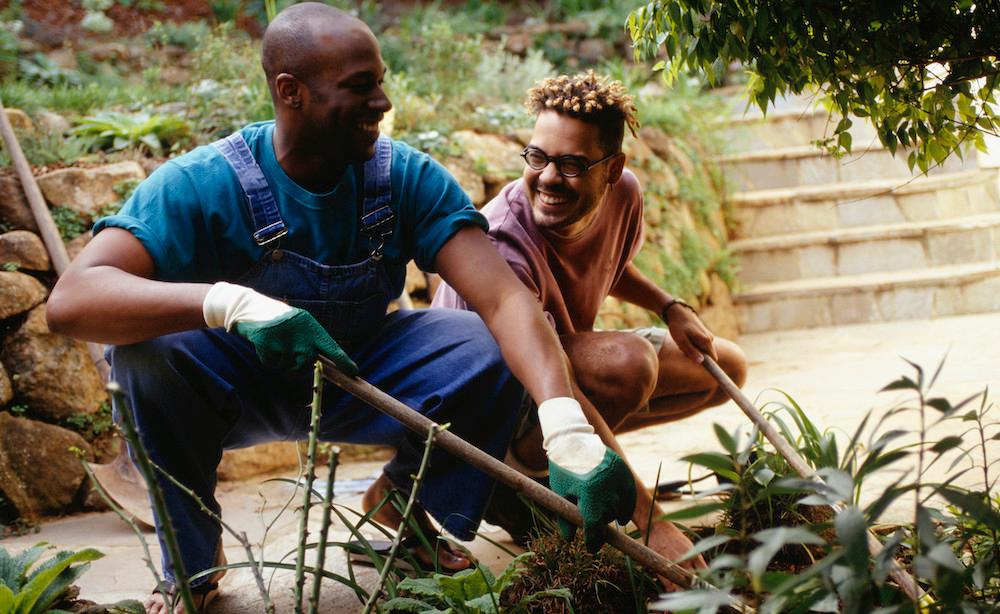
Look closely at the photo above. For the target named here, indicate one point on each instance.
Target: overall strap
(377, 216)
(267, 222)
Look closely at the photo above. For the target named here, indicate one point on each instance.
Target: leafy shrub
(69, 223)
(187, 35)
(949, 545)
(110, 130)
(26, 588)
(469, 591)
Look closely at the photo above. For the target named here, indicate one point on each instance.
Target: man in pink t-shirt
(569, 228)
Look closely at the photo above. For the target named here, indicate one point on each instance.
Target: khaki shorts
(655, 335)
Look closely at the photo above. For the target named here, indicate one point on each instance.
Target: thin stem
(324, 528)
(145, 466)
(240, 536)
(407, 513)
(310, 477)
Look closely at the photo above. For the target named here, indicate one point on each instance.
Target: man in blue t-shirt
(233, 266)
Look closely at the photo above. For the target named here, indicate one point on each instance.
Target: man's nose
(550, 174)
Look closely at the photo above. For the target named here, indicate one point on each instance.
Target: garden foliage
(924, 73)
(780, 546)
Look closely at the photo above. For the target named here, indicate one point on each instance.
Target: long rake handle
(905, 580)
(46, 227)
(491, 466)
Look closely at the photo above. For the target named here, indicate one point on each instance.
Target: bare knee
(617, 371)
(732, 360)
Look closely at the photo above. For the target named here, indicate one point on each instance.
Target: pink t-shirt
(570, 278)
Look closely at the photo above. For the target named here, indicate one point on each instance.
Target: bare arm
(686, 328)
(108, 295)
(472, 266)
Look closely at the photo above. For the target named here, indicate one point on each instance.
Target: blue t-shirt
(192, 218)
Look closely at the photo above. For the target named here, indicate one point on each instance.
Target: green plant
(188, 34)
(38, 69)
(27, 588)
(925, 73)
(820, 561)
(470, 591)
(92, 425)
(9, 31)
(18, 409)
(69, 223)
(110, 130)
(44, 148)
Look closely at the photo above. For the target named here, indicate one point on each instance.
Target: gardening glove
(584, 471)
(285, 337)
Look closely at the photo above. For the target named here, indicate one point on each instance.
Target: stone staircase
(826, 242)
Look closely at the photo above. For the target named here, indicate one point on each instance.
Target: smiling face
(344, 102)
(566, 206)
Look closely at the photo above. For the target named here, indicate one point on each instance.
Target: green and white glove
(584, 471)
(285, 337)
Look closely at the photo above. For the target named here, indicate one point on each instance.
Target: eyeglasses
(567, 166)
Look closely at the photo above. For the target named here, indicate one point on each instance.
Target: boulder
(495, 158)
(718, 312)
(256, 460)
(51, 122)
(25, 249)
(14, 209)
(6, 388)
(19, 120)
(85, 190)
(39, 474)
(55, 376)
(465, 173)
(19, 293)
(594, 50)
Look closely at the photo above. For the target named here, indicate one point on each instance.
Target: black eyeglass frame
(558, 160)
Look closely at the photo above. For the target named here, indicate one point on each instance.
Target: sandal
(202, 595)
(407, 557)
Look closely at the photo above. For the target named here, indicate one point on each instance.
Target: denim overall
(198, 392)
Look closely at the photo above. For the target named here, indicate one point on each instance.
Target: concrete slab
(834, 373)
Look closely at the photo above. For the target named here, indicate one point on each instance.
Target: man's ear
(289, 90)
(615, 168)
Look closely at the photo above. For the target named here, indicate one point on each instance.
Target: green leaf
(771, 541)
(6, 599)
(407, 604)
(946, 444)
(903, 383)
(853, 536)
(29, 599)
(727, 440)
(714, 461)
(694, 511)
(429, 587)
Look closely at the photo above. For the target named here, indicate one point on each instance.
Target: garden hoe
(119, 478)
(902, 578)
(531, 489)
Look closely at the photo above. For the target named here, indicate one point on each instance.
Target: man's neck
(309, 169)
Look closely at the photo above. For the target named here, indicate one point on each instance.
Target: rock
(718, 312)
(465, 173)
(6, 388)
(19, 120)
(109, 51)
(85, 190)
(495, 158)
(38, 472)
(19, 293)
(56, 377)
(657, 140)
(256, 460)
(14, 209)
(52, 123)
(25, 249)
(75, 246)
(175, 75)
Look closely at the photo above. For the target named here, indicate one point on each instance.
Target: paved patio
(833, 373)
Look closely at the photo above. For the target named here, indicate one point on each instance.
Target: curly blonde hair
(593, 98)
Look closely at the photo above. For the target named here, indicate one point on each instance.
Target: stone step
(790, 167)
(871, 297)
(869, 249)
(763, 213)
(789, 127)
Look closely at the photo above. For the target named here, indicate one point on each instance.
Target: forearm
(529, 346)
(108, 305)
(634, 287)
(644, 498)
